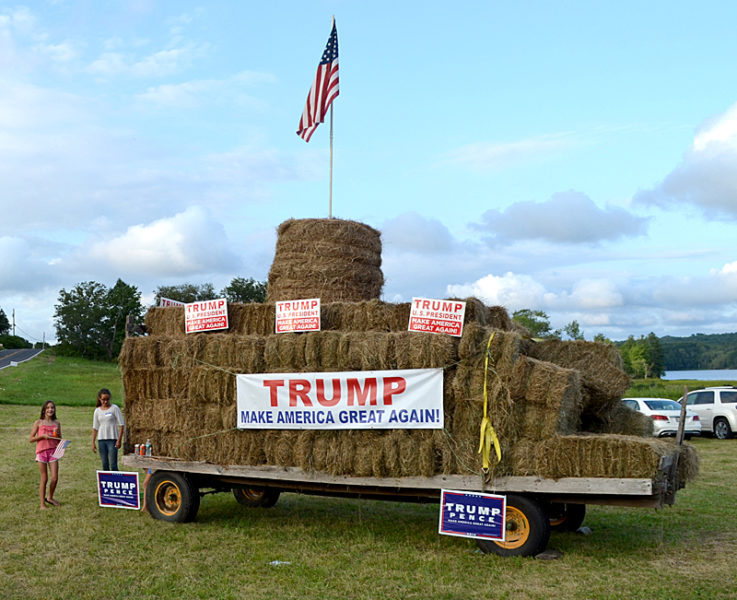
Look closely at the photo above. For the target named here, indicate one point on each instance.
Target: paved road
(18, 356)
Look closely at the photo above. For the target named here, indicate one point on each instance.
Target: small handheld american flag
(61, 448)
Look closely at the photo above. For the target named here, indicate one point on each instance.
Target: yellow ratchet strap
(488, 435)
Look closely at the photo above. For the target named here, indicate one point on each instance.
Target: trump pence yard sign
(472, 515)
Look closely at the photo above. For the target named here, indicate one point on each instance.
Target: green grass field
(660, 388)
(334, 548)
(66, 381)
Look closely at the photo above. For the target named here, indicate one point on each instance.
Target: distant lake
(703, 375)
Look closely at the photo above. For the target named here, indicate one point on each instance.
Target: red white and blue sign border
(123, 495)
(479, 527)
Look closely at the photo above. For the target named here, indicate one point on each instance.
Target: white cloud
(617, 308)
(729, 268)
(589, 294)
(485, 156)
(157, 64)
(20, 19)
(188, 243)
(61, 53)
(108, 64)
(706, 177)
(22, 269)
(193, 94)
(415, 233)
(722, 130)
(567, 217)
(511, 290)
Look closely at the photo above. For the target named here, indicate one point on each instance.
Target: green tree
(245, 290)
(573, 331)
(185, 292)
(654, 354)
(14, 341)
(90, 319)
(643, 357)
(4, 323)
(535, 321)
(121, 300)
(79, 318)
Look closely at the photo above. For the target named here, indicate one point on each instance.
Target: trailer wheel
(173, 497)
(262, 497)
(722, 430)
(566, 517)
(527, 529)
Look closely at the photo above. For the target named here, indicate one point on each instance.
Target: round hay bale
(330, 259)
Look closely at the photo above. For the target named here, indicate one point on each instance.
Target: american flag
(323, 90)
(60, 448)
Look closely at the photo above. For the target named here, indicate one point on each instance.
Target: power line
(28, 335)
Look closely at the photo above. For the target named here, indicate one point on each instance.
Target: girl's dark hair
(43, 410)
(103, 392)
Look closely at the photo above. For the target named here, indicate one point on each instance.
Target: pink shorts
(45, 456)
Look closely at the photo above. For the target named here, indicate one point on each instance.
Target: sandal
(52, 501)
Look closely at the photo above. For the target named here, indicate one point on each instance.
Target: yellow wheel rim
(557, 518)
(168, 498)
(557, 521)
(517, 529)
(253, 495)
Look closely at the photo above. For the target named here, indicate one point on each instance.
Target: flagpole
(330, 210)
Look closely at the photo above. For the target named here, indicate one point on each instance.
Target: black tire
(262, 497)
(171, 496)
(566, 517)
(527, 529)
(722, 430)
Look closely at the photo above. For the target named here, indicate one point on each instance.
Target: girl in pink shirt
(46, 433)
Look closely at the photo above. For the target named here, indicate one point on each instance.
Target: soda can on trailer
(137, 449)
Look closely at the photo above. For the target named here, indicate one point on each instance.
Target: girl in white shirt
(107, 429)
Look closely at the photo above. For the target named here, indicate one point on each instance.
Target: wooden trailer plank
(569, 485)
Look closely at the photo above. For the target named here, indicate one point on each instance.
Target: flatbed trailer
(535, 505)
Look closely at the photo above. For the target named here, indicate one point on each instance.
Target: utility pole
(13, 321)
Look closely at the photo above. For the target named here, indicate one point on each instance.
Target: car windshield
(663, 405)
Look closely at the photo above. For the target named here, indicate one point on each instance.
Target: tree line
(700, 351)
(90, 318)
(641, 357)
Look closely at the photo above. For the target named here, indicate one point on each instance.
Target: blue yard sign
(118, 489)
(472, 515)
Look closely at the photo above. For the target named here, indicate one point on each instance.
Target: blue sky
(578, 158)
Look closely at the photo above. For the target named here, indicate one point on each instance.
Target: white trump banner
(169, 302)
(401, 399)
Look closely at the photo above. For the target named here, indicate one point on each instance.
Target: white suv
(717, 409)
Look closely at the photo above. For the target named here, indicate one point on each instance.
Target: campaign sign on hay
(164, 302)
(431, 315)
(118, 489)
(472, 514)
(297, 315)
(206, 315)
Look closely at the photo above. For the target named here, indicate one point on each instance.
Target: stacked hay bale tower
(554, 405)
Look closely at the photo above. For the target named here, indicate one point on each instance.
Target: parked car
(665, 414)
(717, 407)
